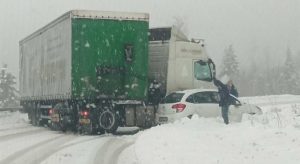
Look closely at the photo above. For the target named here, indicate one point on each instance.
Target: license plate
(55, 117)
(84, 121)
(163, 119)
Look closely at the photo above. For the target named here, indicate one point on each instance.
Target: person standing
(155, 94)
(224, 87)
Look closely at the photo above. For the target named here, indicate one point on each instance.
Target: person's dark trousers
(225, 114)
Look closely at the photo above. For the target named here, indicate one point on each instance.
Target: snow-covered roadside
(269, 138)
(12, 119)
(272, 100)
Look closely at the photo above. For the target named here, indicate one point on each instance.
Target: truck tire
(108, 120)
(36, 116)
(63, 128)
(53, 126)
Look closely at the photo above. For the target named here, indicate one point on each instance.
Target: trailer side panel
(109, 58)
(45, 62)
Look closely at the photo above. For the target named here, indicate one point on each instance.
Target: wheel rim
(106, 120)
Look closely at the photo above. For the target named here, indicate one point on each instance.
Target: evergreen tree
(289, 78)
(250, 82)
(274, 80)
(8, 92)
(298, 60)
(230, 65)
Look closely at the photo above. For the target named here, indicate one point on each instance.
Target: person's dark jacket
(225, 99)
(155, 94)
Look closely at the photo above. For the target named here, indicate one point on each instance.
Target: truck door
(202, 70)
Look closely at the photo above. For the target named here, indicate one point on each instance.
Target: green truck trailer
(89, 70)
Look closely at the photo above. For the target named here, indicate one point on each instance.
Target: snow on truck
(90, 71)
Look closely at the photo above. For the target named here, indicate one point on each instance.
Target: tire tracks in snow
(39, 152)
(21, 134)
(110, 151)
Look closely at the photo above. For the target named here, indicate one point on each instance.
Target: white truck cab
(177, 62)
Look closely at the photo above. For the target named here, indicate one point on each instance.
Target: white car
(203, 102)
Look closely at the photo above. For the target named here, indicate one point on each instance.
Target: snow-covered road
(273, 137)
(22, 143)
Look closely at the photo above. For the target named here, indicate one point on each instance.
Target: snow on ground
(272, 137)
(22, 143)
(12, 119)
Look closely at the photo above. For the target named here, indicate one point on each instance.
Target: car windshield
(172, 98)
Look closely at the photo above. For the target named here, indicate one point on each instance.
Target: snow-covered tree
(8, 92)
(298, 60)
(289, 77)
(230, 65)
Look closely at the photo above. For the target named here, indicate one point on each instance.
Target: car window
(215, 97)
(203, 97)
(190, 99)
(172, 98)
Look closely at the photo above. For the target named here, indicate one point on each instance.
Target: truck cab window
(202, 71)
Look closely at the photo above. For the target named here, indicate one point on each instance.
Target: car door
(236, 110)
(205, 104)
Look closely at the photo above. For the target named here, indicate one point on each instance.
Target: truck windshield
(202, 71)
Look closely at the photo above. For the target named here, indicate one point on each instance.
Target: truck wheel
(37, 116)
(30, 116)
(63, 128)
(108, 120)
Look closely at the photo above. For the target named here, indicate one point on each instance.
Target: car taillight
(84, 113)
(50, 111)
(179, 107)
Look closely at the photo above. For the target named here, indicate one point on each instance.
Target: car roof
(191, 91)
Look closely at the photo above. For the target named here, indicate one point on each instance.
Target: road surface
(22, 143)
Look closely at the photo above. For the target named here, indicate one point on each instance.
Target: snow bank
(272, 137)
(272, 100)
(12, 119)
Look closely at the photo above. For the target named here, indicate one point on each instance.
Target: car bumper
(168, 118)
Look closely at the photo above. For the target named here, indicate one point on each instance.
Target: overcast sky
(257, 29)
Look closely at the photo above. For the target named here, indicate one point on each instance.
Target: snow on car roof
(190, 91)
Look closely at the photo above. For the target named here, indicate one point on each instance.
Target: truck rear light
(50, 111)
(179, 107)
(84, 114)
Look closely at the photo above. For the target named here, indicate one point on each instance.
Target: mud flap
(145, 116)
